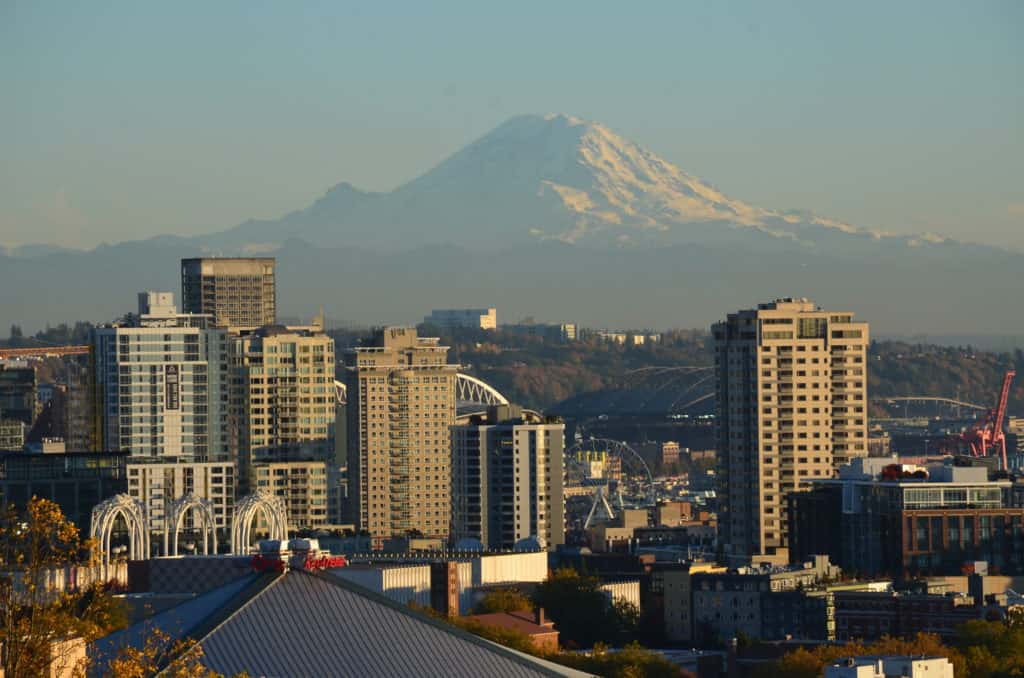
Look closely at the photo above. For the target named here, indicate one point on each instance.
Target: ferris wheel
(602, 478)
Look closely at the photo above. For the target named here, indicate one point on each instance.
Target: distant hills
(560, 219)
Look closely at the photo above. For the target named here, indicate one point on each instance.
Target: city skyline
(573, 339)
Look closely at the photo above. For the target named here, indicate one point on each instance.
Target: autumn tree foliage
(38, 622)
(504, 600)
(35, 619)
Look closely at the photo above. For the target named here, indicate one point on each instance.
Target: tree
(177, 659)
(504, 600)
(34, 617)
(581, 611)
(802, 663)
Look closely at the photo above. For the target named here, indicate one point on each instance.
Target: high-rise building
(475, 318)
(158, 484)
(792, 407)
(282, 396)
(12, 434)
(507, 478)
(18, 392)
(238, 292)
(80, 425)
(160, 385)
(401, 403)
(670, 453)
(301, 485)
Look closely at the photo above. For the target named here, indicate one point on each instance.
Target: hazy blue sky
(128, 119)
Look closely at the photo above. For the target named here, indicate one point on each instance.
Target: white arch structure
(273, 510)
(202, 511)
(106, 513)
(477, 391)
(468, 390)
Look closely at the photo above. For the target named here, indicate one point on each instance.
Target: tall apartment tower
(401, 405)
(282, 396)
(160, 384)
(238, 292)
(507, 478)
(792, 407)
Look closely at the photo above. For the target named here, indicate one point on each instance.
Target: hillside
(541, 373)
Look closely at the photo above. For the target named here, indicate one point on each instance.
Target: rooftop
(301, 623)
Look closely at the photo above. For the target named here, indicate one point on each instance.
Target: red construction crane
(986, 438)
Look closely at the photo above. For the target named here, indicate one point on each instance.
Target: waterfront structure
(76, 481)
(159, 484)
(792, 406)
(282, 397)
(474, 318)
(239, 292)
(18, 392)
(507, 478)
(301, 485)
(400, 407)
(880, 517)
(160, 384)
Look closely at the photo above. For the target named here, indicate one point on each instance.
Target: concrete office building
(80, 425)
(792, 407)
(239, 293)
(76, 481)
(770, 603)
(891, 667)
(18, 392)
(476, 318)
(507, 476)
(160, 385)
(12, 434)
(282, 395)
(301, 485)
(883, 518)
(158, 484)
(401, 404)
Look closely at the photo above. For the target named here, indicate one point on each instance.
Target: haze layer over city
(574, 339)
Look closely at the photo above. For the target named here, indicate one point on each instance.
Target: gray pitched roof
(307, 625)
(177, 622)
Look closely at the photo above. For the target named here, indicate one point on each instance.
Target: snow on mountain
(553, 177)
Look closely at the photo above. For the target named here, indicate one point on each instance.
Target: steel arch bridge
(900, 408)
(469, 390)
(951, 402)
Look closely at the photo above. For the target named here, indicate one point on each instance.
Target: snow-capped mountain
(551, 177)
(556, 218)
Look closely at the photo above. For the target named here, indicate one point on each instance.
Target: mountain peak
(551, 176)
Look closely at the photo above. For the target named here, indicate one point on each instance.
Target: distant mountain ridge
(551, 177)
(557, 218)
